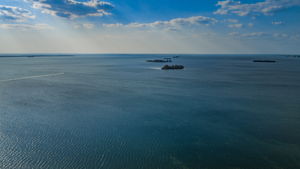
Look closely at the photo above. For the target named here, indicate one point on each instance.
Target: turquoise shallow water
(117, 111)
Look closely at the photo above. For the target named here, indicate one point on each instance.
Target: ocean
(121, 112)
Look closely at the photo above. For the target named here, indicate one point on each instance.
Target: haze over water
(118, 111)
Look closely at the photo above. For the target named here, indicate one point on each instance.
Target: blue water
(120, 112)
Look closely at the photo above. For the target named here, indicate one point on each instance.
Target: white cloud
(277, 23)
(260, 35)
(248, 35)
(280, 35)
(266, 7)
(73, 8)
(232, 20)
(233, 34)
(26, 27)
(238, 25)
(88, 25)
(171, 24)
(14, 14)
(84, 26)
(253, 34)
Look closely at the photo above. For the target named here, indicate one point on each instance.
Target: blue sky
(149, 26)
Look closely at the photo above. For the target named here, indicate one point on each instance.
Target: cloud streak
(237, 25)
(260, 35)
(26, 27)
(267, 7)
(277, 23)
(170, 24)
(14, 14)
(72, 8)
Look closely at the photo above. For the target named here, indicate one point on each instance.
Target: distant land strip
(5, 56)
(31, 77)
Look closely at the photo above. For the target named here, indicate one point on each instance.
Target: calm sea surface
(120, 112)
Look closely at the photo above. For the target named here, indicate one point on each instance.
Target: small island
(265, 61)
(160, 60)
(295, 56)
(172, 67)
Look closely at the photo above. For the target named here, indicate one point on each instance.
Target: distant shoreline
(135, 54)
(12, 56)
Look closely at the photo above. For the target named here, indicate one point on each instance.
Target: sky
(150, 26)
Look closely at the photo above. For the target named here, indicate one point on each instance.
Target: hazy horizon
(199, 54)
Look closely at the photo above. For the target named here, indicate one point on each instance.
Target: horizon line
(67, 53)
